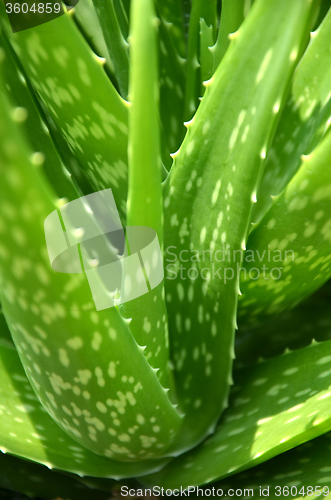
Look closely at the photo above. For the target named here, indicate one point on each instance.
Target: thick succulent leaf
(37, 481)
(293, 329)
(186, 6)
(208, 198)
(323, 10)
(104, 401)
(145, 206)
(27, 111)
(295, 474)
(67, 154)
(275, 406)
(27, 430)
(207, 35)
(125, 6)
(122, 16)
(206, 11)
(304, 120)
(171, 14)
(288, 254)
(103, 484)
(117, 46)
(95, 128)
(145, 203)
(88, 23)
(172, 85)
(232, 16)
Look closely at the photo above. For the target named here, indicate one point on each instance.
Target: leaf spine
(98, 59)
(234, 35)
(207, 83)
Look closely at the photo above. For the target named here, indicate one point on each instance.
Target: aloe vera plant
(146, 393)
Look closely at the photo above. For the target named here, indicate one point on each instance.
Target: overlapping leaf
(28, 431)
(80, 99)
(288, 255)
(114, 402)
(294, 329)
(304, 119)
(274, 406)
(149, 322)
(208, 197)
(88, 23)
(205, 11)
(172, 87)
(301, 473)
(171, 13)
(117, 46)
(37, 481)
(28, 112)
(232, 16)
(104, 401)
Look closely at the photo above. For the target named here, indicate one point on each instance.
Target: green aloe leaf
(288, 254)
(274, 406)
(37, 481)
(172, 87)
(123, 16)
(220, 161)
(148, 313)
(145, 206)
(87, 20)
(207, 11)
(304, 120)
(293, 329)
(324, 8)
(118, 364)
(28, 112)
(171, 14)
(232, 15)
(117, 46)
(301, 473)
(207, 39)
(115, 401)
(27, 430)
(95, 129)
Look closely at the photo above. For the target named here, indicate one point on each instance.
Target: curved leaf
(172, 85)
(34, 126)
(27, 430)
(116, 44)
(233, 14)
(207, 12)
(145, 204)
(274, 406)
(55, 327)
(304, 120)
(301, 473)
(171, 14)
(294, 329)
(95, 128)
(208, 198)
(288, 255)
(35, 480)
(87, 20)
